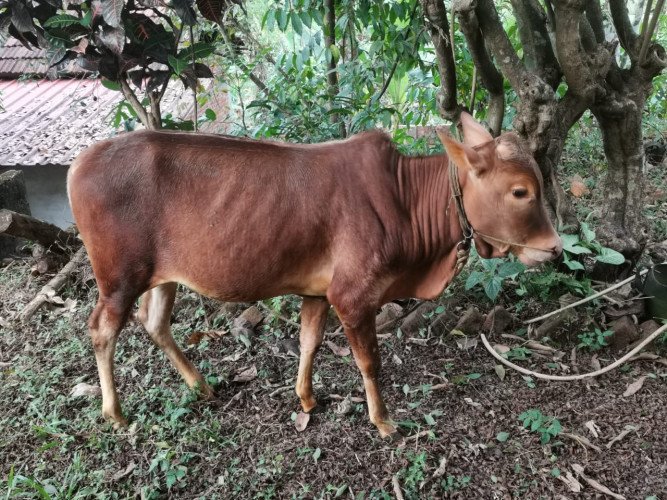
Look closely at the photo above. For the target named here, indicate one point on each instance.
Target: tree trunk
(620, 119)
(332, 75)
(29, 228)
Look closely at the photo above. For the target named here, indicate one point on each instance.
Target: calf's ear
(474, 133)
(463, 156)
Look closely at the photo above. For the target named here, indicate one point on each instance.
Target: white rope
(587, 299)
(544, 376)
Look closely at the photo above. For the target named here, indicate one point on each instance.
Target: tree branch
(538, 53)
(499, 44)
(131, 97)
(626, 35)
(577, 72)
(490, 76)
(648, 33)
(595, 19)
(438, 26)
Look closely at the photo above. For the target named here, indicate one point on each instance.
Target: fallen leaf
(581, 440)
(246, 375)
(472, 403)
(337, 350)
(594, 484)
(466, 343)
(501, 348)
(570, 481)
(196, 337)
(593, 428)
(233, 357)
(123, 473)
(442, 468)
(577, 187)
(628, 429)
(5, 364)
(634, 387)
(500, 371)
(84, 389)
(301, 421)
(595, 363)
(344, 407)
(396, 359)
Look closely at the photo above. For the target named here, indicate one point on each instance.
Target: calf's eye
(519, 192)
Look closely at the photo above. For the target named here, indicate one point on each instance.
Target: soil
(464, 435)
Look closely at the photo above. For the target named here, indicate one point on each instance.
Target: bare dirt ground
(465, 438)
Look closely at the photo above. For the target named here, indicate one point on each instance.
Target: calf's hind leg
(105, 323)
(155, 314)
(313, 318)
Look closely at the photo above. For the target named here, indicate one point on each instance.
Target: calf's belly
(247, 281)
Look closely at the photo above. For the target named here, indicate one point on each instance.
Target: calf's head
(502, 194)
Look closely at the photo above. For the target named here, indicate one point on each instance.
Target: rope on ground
(596, 373)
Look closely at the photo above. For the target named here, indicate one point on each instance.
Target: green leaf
(571, 244)
(305, 18)
(178, 64)
(502, 436)
(297, 25)
(110, 85)
(573, 264)
(439, 309)
(474, 279)
(508, 269)
(210, 115)
(282, 18)
(199, 49)
(492, 287)
(473, 376)
(610, 256)
(429, 419)
(316, 454)
(587, 232)
(61, 21)
(269, 20)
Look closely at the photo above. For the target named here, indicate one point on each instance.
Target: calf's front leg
(360, 331)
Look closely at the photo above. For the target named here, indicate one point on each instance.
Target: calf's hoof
(308, 404)
(116, 418)
(388, 430)
(204, 391)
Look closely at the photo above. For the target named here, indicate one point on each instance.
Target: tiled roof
(17, 61)
(46, 122)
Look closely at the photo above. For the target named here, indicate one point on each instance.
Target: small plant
(574, 245)
(414, 474)
(595, 340)
(546, 427)
(548, 283)
(492, 275)
(455, 483)
(518, 353)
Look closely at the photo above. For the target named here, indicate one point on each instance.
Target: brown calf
(351, 223)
